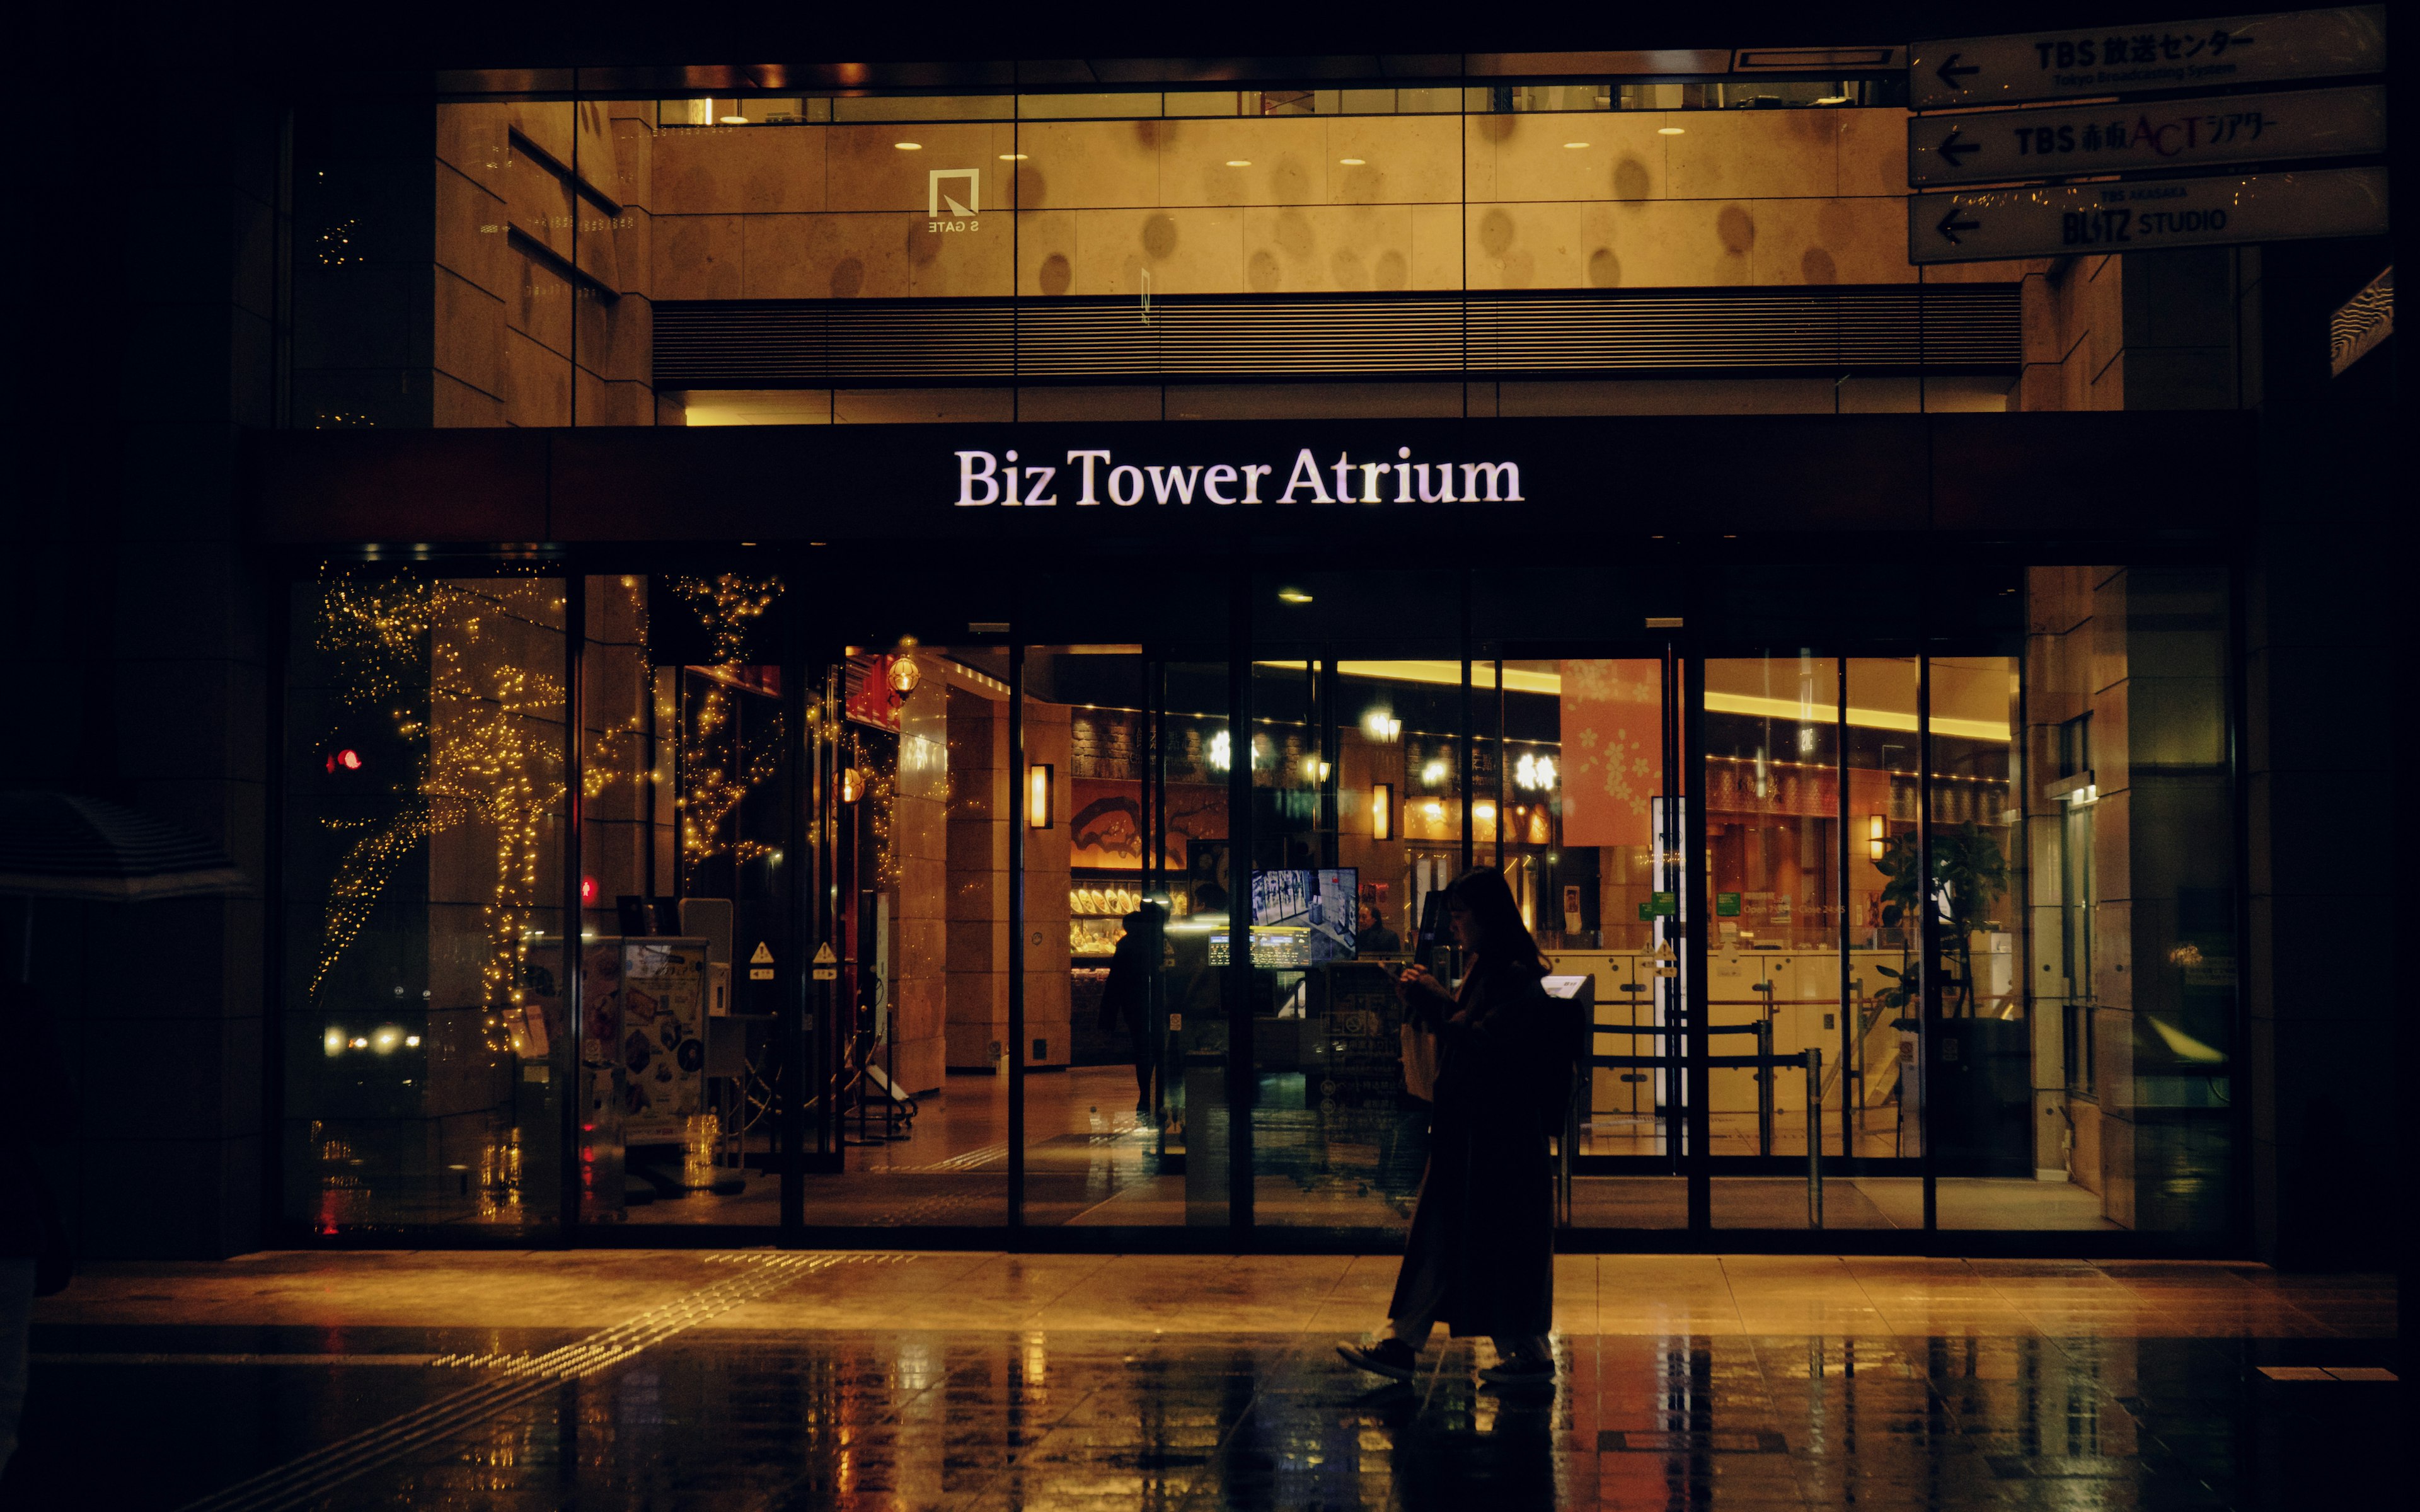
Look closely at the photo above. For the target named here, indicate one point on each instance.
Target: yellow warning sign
(824, 956)
(764, 956)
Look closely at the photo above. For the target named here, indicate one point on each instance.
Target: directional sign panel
(2124, 60)
(1988, 224)
(1996, 147)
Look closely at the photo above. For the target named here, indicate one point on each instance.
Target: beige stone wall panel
(830, 257)
(865, 170)
(616, 338)
(753, 170)
(698, 257)
(596, 245)
(1524, 158)
(1295, 249)
(634, 158)
(1406, 160)
(540, 306)
(594, 158)
(1438, 235)
(1046, 252)
(1187, 251)
(1818, 241)
(613, 403)
(1770, 154)
(923, 941)
(454, 405)
(1873, 154)
(1088, 165)
(469, 336)
(476, 141)
(542, 205)
(1574, 245)
(537, 383)
(633, 235)
(471, 232)
(1287, 156)
(954, 263)
(548, 126)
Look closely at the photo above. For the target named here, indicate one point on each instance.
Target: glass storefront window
(779, 258)
(428, 1053)
(1991, 887)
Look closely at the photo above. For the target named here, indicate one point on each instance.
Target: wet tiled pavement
(661, 1381)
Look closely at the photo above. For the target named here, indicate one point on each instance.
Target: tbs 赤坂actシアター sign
(1092, 477)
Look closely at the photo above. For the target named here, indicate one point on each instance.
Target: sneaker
(1519, 1373)
(1392, 1358)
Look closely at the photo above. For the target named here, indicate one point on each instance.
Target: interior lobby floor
(900, 1380)
(1091, 1160)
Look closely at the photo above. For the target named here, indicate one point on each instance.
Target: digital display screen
(1325, 904)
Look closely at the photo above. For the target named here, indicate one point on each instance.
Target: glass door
(1589, 751)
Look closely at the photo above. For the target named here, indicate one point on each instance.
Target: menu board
(661, 1043)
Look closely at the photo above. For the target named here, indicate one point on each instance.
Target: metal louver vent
(814, 343)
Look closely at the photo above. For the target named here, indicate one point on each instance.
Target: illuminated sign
(1094, 477)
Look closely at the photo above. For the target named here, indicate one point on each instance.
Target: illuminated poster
(1106, 833)
(1612, 750)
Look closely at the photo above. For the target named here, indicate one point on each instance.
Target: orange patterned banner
(1612, 750)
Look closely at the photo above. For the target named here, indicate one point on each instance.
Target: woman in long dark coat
(1480, 1257)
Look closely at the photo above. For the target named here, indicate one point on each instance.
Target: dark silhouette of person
(1481, 1255)
(1375, 938)
(1127, 998)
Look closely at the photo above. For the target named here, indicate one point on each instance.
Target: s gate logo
(944, 209)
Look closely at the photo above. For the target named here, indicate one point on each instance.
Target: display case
(1096, 911)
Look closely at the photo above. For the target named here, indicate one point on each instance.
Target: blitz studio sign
(1089, 478)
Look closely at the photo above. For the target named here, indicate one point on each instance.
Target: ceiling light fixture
(1239, 163)
(1670, 130)
(731, 120)
(1574, 143)
(1352, 163)
(1012, 157)
(908, 147)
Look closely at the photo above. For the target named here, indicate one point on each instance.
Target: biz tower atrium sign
(1094, 477)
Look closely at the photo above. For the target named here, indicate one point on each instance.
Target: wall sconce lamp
(1038, 791)
(852, 785)
(1874, 840)
(1382, 810)
(904, 674)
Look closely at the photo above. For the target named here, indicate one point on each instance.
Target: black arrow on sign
(1950, 225)
(1950, 146)
(1950, 73)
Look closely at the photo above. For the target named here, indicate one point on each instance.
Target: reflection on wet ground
(755, 1380)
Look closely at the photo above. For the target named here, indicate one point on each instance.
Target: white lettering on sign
(2001, 146)
(2049, 221)
(998, 478)
(2176, 55)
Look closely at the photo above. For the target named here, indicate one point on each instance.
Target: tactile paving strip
(512, 1379)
